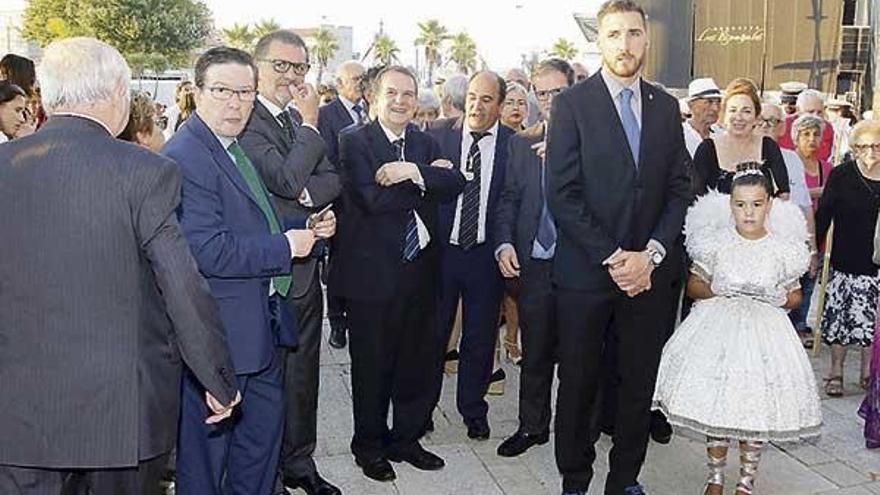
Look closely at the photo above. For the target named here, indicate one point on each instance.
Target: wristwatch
(655, 256)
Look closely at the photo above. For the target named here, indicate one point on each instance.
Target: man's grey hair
(807, 94)
(515, 86)
(455, 88)
(427, 99)
(805, 122)
(80, 71)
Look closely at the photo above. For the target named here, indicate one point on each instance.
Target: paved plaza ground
(837, 463)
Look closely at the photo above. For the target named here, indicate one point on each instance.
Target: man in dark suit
(243, 250)
(618, 190)
(347, 110)
(387, 270)
(526, 240)
(100, 296)
(477, 144)
(286, 149)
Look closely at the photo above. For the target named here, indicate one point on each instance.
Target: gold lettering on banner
(731, 35)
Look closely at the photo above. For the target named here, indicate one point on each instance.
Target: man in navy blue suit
(386, 269)
(245, 254)
(477, 144)
(618, 189)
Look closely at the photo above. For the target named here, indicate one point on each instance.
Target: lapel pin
(650, 96)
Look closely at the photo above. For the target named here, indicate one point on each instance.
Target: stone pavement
(837, 463)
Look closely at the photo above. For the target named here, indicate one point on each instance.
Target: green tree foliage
(239, 36)
(432, 34)
(564, 49)
(171, 28)
(463, 52)
(385, 49)
(323, 48)
(265, 27)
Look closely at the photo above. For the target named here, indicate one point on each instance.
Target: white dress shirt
(797, 183)
(421, 230)
(487, 162)
(692, 138)
(349, 106)
(83, 116)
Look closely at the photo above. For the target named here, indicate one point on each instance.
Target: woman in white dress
(735, 368)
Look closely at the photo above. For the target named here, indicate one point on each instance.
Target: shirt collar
(615, 86)
(274, 109)
(492, 131)
(87, 117)
(390, 135)
(348, 104)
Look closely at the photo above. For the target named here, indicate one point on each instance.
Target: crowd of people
(165, 272)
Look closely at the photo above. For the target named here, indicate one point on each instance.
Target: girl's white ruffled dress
(735, 368)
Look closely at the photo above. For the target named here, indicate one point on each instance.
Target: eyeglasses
(224, 94)
(770, 121)
(162, 122)
(547, 93)
(282, 66)
(862, 148)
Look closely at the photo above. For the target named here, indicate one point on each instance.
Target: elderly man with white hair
(811, 102)
(101, 298)
(454, 92)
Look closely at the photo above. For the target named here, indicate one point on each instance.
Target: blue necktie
(630, 124)
(546, 229)
(411, 246)
(359, 111)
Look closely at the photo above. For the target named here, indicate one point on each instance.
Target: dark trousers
(470, 275)
(141, 480)
(537, 319)
(301, 381)
(240, 454)
(584, 318)
(392, 345)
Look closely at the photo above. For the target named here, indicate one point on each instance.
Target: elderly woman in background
(429, 108)
(865, 142)
(143, 126)
(13, 111)
(515, 108)
(850, 200)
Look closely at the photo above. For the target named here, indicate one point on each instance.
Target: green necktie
(249, 173)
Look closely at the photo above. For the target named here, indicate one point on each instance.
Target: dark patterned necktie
(411, 246)
(469, 221)
(359, 111)
(287, 125)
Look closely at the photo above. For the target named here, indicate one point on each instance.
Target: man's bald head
(518, 75)
(348, 78)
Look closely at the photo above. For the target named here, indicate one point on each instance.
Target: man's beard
(611, 66)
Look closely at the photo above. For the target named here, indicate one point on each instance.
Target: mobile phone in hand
(317, 217)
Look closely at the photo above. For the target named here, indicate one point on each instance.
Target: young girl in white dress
(735, 368)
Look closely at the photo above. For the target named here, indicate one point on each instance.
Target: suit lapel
(650, 125)
(344, 116)
(277, 133)
(608, 107)
(221, 157)
(383, 148)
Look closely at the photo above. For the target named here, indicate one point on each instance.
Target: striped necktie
(469, 221)
(411, 246)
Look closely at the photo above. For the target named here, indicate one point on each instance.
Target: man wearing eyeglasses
(282, 140)
(526, 241)
(704, 102)
(244, 250)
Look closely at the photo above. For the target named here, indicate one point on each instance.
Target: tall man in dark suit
(526, 240)
(285, 147)
(477, 144)
(100, 296)
(618, 189)
(243, 250)
(347, 110)
(387, 269)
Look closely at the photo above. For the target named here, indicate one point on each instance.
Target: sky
(502, 29)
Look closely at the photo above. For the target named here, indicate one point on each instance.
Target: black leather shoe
(337, 338)
(661, 430)
(377, 469)
(312, 484)
(478, 429)
(418, 457)
(521, 442)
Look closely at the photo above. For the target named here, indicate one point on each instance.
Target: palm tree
(239, 36)
(385, 49)
(563, 49)
(323, 48)
(432, 35)
(264, 27)
(463, 52)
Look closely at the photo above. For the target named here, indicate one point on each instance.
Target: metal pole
(823, 284)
